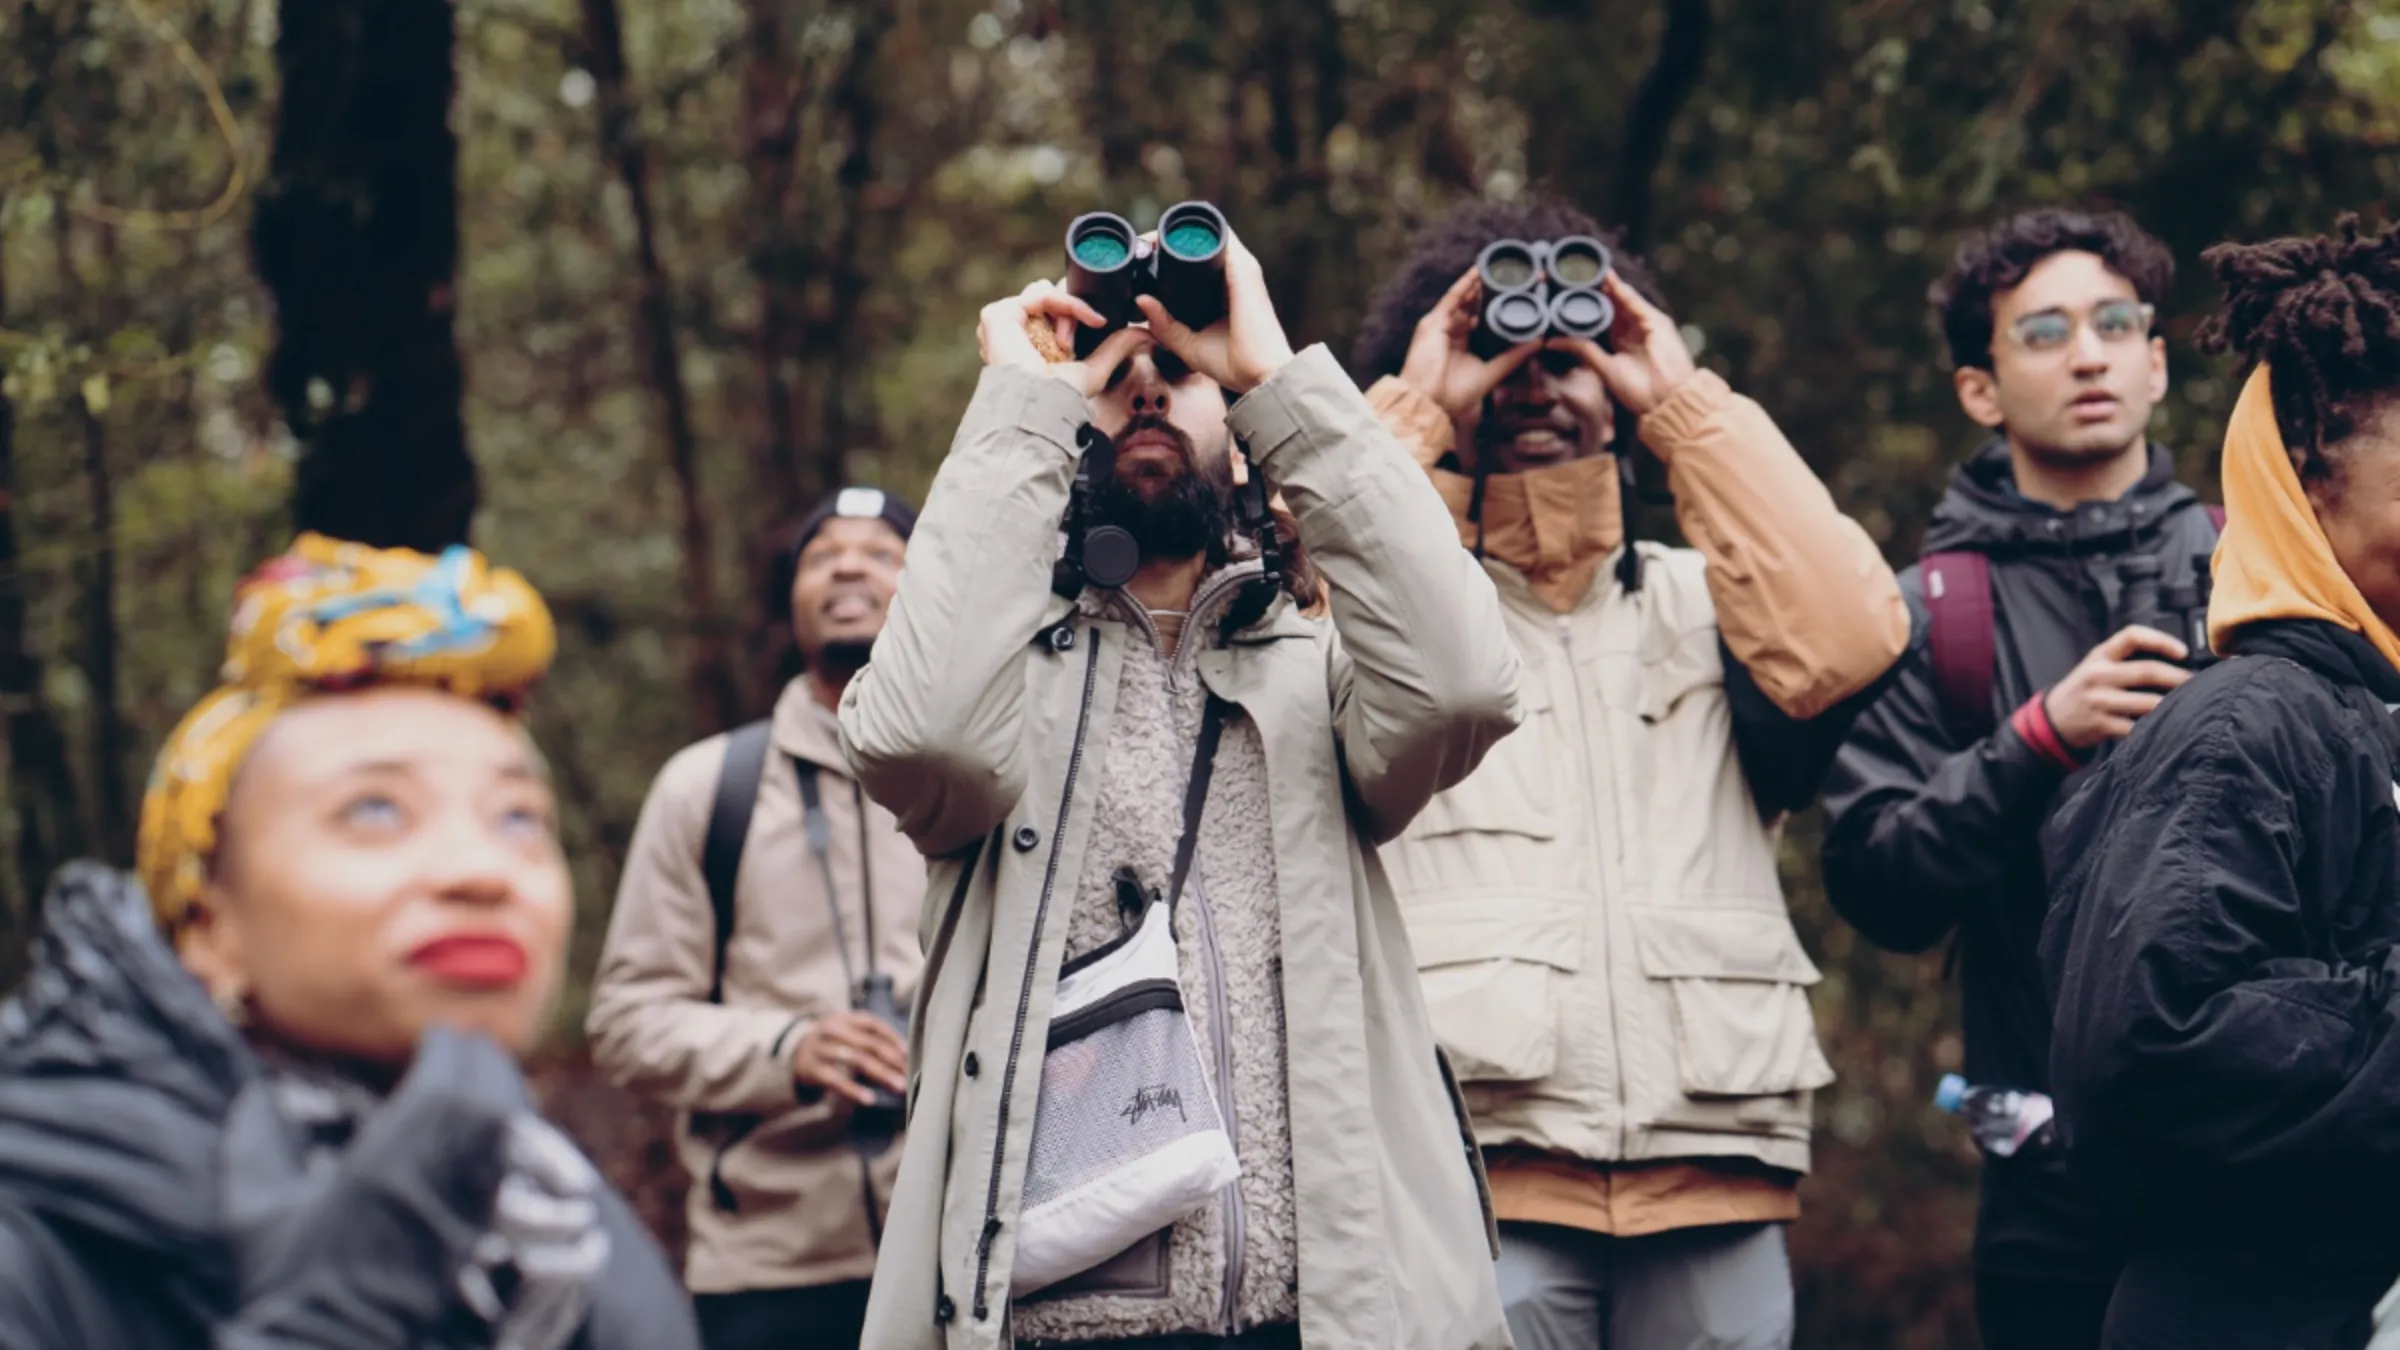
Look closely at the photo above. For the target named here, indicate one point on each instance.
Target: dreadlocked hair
(1443, 251)
(2323, 313)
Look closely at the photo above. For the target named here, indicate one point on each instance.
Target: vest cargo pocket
(1487, 971)
(1738, 980)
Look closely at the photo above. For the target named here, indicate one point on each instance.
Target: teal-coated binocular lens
(1192, 239)
(1101, 249)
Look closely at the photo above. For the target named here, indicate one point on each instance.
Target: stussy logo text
(1149, 1099)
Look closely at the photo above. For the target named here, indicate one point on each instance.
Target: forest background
(627, 284)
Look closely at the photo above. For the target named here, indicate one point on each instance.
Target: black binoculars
(873, 1127)
(1108, 264)
(2180, 610)
(1542, 289)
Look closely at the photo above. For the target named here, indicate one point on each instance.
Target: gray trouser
(1723, 1288)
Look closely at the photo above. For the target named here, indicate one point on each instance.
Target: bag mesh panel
(1114, 1096)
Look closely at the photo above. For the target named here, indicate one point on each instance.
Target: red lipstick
(479, 960)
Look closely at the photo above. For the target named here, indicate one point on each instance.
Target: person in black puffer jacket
(267, 1100)
(2224, 942)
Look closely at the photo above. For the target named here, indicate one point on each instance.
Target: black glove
(393, 1237)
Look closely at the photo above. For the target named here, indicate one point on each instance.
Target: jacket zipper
(1033, 961)
(1221, 1036)
(1591, 784)
(1230, 580)
(1193, 639)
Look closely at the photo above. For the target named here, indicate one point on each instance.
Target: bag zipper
(1033, 959)
(1222, 1036)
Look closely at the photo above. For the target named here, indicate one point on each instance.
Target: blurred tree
(356, 229)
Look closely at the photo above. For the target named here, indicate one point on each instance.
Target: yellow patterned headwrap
(322, 618)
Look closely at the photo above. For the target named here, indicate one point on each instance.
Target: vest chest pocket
(1513, 791)
(1487, 975)
(1739, 984)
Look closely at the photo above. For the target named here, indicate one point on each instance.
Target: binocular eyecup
(1538, 289)
(1108, 264)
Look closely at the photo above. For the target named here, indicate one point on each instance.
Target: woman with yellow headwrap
(296, 1121)
(2224, 936)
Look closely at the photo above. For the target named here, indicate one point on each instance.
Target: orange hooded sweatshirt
(2273, 561)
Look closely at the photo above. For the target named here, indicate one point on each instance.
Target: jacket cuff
(1419, 423)
(1686, 412)
(2031, 722)
(1042, 406)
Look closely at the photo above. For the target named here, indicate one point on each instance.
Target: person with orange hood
(1595, 912)
(2223, 943)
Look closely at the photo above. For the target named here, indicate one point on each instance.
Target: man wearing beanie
(763, 942)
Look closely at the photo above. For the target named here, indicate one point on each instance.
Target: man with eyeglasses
(2021, 666)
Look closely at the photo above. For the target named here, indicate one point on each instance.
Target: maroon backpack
(1963, 638)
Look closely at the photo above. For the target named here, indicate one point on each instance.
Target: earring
(233, 1003)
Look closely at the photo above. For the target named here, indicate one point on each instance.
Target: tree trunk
(41, 787)
(356, 236)
(859, 114)
(715, 693)
(772, 101)
(112, 801)
(110, 789)
(1682, 52)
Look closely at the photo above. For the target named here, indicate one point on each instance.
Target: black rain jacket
(117, 1232)
(2224, 942)
(1926, 835)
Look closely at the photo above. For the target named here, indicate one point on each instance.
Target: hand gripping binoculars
(1108, 264)
(1541, 289)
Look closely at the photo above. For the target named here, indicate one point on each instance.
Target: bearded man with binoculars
(1595, 913)
(1173, 1083)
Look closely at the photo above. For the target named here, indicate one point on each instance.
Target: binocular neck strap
(819, 828)
(1195, 796)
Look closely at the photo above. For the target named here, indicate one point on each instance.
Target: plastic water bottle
(2003, 1120)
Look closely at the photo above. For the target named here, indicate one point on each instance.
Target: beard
(845, 657)
(1170, 515)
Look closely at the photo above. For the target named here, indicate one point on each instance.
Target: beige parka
(986, 699)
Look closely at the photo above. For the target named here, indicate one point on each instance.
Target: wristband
(2032, 722)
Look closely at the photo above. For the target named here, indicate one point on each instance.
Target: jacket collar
(806, 729)
(2327, 648)
(1554, 526)
(116, 1073)
(1983, 511)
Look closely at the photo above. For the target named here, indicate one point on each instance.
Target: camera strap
(1195, 795)
(819, 829)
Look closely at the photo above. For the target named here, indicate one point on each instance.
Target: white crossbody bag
(1127, 1135)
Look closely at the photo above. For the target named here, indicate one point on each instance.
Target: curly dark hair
(1446, 248)
(1998, 259)
(2323, 313)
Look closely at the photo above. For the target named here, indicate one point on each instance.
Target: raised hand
(1004, 336)
(1649, 361)
(1239, 351)
(1440, 364)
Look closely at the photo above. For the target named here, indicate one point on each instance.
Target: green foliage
(838, 185)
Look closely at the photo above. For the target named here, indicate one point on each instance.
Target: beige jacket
(798, 1205)
(1596, 912)
(989, 703)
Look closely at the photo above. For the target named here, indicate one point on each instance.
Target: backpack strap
(729, 831)
(1962, 639)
